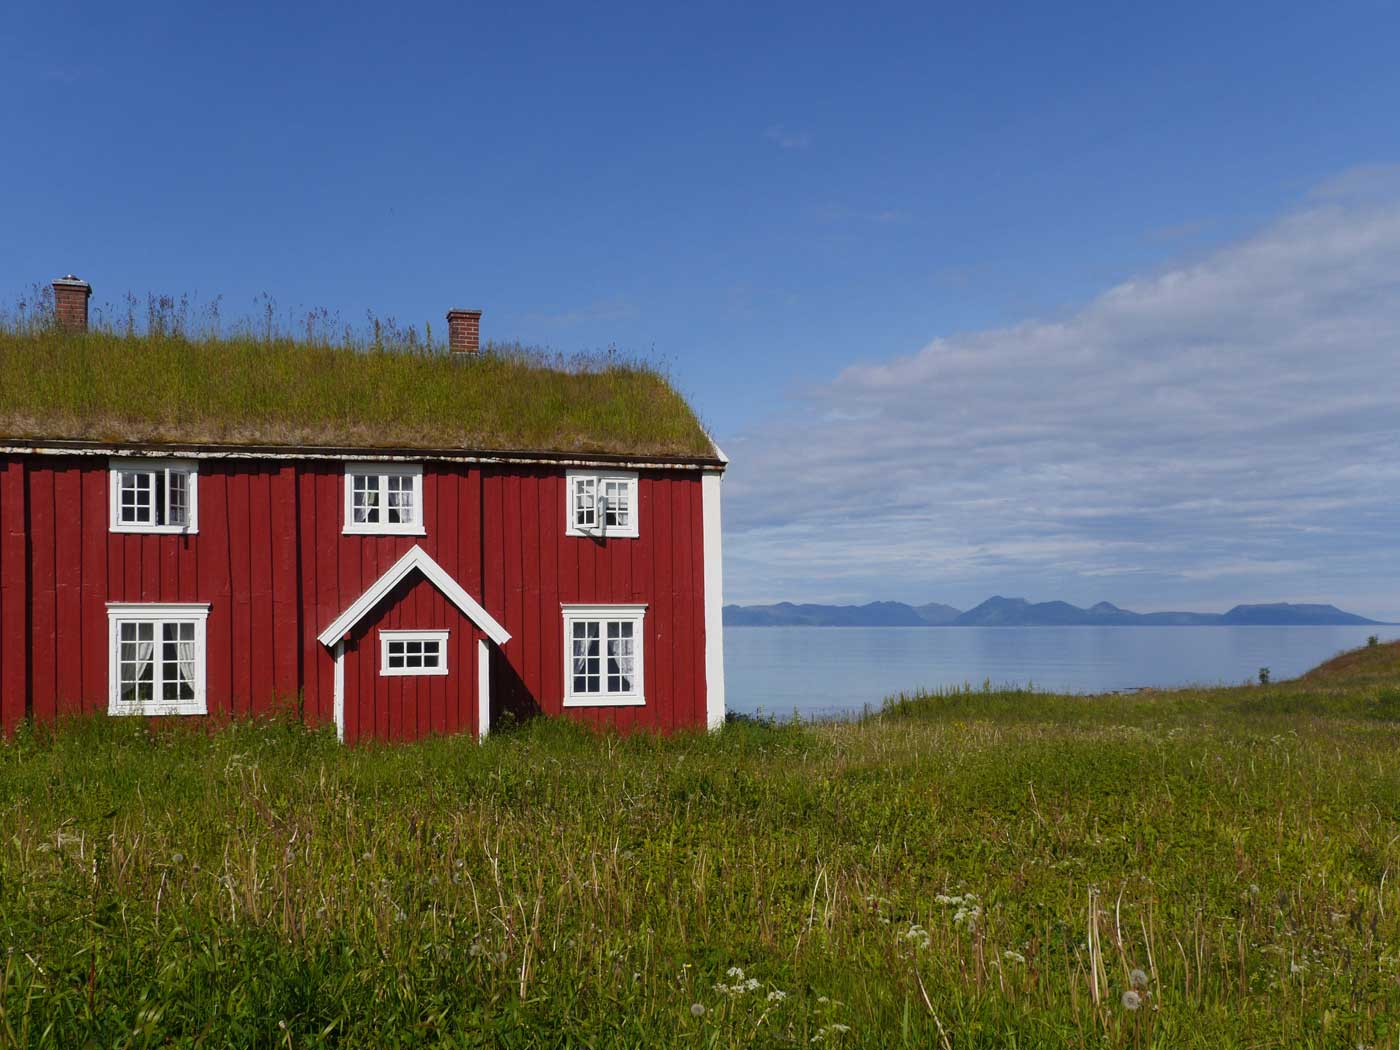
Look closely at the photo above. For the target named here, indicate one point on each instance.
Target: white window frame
(153, 465)
(159, 614)
(386, 638)
(384, 471)
(600, 530)
(634, 614)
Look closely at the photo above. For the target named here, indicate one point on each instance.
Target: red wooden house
(392, 590)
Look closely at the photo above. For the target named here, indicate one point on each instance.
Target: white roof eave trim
(417, 558)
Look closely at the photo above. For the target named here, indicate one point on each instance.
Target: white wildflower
(917, 936)
(967, 916)
(776, 996)
(1015, 957)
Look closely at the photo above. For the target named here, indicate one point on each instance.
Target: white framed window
(156, 656)
(603, 655)
(154, 495)
(601, 504)
(384, 498)
(403, 653)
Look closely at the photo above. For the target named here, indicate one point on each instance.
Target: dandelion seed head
(1131, 1000)
(697, 1010)
(1138, 979)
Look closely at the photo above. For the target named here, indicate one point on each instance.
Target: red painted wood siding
(275, 568)
(411, 707)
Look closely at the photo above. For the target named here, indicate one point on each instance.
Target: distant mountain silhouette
(1018, 612)
(937, 615)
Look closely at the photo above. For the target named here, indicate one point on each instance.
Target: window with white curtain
(602, 504)
(384, 498)
(157, 658)
(154, 495)
(603, 655)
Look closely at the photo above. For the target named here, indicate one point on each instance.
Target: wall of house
(273, 564)
(411, 707)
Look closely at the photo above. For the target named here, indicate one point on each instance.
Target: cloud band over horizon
(1225, 430)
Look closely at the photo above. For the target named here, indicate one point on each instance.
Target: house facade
(392, 592)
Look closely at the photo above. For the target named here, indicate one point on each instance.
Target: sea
(823, 672)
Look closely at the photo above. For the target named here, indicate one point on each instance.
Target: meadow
(984, 868)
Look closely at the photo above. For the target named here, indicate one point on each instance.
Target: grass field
(993, 869)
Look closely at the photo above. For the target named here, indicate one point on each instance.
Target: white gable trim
(418, 559)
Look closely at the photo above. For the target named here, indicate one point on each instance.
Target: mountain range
(1018, 612)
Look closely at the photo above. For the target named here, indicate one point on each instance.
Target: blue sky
(815, 217)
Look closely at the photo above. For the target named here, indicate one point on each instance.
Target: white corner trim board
(483, 689)
(339, 707)
(714, 599)
(417, 558)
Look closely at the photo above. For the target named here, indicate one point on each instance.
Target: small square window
(412, 653)
(602, 505)
(384, 498)
(154, 495)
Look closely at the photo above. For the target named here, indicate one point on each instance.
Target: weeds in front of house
(1194, 869)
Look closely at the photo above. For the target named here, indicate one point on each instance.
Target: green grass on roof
(105, 386)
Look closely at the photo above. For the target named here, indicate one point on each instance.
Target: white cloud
(787, 138)
(1224, 430)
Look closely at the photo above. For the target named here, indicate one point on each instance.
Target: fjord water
(822, 671)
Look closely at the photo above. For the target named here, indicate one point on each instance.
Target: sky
(1092, 303)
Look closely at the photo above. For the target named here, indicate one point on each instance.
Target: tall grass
(987, 869)
(179, 374)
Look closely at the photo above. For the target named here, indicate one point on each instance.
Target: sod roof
(109, 388)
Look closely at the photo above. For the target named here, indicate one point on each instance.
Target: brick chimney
(464, 331)
(70, 303)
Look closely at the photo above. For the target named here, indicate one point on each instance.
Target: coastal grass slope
(971, 869)
(107, 386)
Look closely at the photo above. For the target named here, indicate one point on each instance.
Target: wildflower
(1131, 1000)
(776, 996)
(697, 1010)
(177, 858)
(741, 986)
(967, 916)
(918, 936)
(1015, 957)
(1137, 979)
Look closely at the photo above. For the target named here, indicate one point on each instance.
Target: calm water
(827, 670)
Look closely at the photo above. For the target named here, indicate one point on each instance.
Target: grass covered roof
(110, 387)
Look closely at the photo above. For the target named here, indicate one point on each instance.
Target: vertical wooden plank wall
(14, 596)
(531, 568)
(272, 562)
